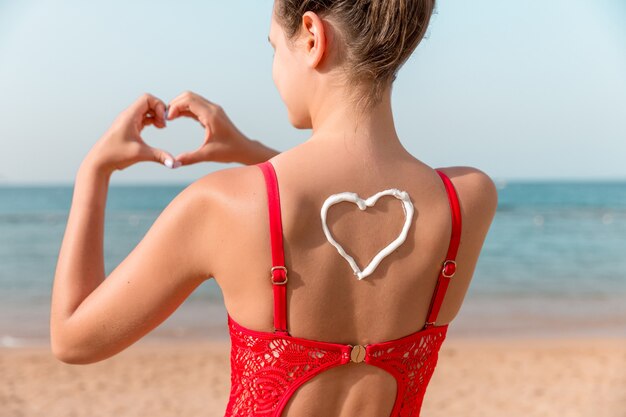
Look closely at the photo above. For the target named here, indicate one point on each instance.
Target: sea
(553, 263)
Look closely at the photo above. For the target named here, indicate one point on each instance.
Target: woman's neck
(336, 122)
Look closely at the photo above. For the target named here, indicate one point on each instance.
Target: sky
(532, 90)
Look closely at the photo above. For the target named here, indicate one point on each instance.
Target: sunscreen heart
(407, 207)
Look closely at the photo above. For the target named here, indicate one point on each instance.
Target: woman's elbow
(67, 351)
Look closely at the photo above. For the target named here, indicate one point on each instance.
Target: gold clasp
(357, 355)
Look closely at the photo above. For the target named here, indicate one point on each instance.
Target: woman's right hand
(223, 142)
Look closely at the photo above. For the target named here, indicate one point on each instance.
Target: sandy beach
(475, 377)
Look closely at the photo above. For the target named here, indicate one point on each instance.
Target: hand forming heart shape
(223, 142)
(407, 207)
(122, 146)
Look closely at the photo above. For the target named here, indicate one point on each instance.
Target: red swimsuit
(267, 368)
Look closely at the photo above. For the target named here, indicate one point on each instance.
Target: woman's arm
(256, 152)
(80, 267)
(93, 318)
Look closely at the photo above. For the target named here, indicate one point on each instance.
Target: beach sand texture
(475, 377)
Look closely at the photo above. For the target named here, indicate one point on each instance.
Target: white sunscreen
(407, 207)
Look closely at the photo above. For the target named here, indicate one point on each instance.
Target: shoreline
(8, 343)
(148, 343)
(480, 317)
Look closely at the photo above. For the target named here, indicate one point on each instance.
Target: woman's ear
(314, 38)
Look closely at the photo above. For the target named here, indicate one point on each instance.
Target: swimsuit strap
(278, 272)
(448, 267)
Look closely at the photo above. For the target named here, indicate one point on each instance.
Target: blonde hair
(378, 37)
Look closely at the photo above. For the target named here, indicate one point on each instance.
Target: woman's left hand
(122, 146)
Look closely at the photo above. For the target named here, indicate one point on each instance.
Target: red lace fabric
(267, 368)
(411, 360)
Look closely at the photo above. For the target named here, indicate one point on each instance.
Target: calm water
(557, 241)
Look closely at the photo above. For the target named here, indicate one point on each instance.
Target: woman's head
(362, 44)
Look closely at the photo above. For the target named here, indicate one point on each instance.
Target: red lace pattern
(266, 368)
(412, 361)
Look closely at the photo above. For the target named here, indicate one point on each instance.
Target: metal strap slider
(272, 275)
(449, 269)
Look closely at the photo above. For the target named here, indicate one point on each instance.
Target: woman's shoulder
(229, 181)
(476, 191)
(213, 196)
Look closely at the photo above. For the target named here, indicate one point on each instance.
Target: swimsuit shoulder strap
(448, 267)
(278, 272)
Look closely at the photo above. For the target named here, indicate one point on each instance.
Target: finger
(148, 119)
(147, 103)
(157, 116)
(178, 108)
(161, 156)
(188, 158)
(189, 114)
(196, 111)
(176, 103)
(160, 112)
(189, 95)
(189, 102)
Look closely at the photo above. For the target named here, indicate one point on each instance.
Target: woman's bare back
(325, 301)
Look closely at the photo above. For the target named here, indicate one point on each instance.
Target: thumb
(194, 157)
(165, 158)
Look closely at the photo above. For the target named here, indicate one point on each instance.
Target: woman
(334, 65)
